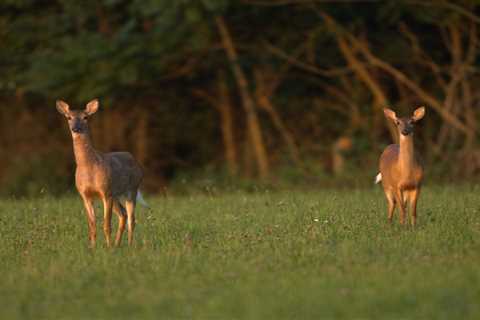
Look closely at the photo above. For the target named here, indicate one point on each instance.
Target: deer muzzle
(77, 127)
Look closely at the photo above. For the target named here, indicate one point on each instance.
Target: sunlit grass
(324, 254)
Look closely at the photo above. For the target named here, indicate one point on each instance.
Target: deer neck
(85, 154)
(406, 156)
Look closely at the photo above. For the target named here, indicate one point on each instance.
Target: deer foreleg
(90, 213)
(413, 206)
(401, 203)
(107, 219)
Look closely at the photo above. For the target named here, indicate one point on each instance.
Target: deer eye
(69, 118)
(397, 122)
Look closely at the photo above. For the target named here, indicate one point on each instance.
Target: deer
(108, 176)
(401, 172)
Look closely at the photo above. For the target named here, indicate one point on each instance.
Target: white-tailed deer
(400, 170)
(108, 176)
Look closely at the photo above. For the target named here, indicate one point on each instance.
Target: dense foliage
(245, 87)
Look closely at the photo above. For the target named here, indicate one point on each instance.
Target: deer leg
(130, 206)
(391, 205)
(90, 212)
(401, 203)
(107, 219)
(122, 219)
(413, 206)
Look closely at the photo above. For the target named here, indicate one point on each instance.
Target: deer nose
(77, 129)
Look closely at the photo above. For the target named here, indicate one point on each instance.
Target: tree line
(242, 87)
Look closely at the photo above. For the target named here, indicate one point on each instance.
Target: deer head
(77, 119)
(405, 125)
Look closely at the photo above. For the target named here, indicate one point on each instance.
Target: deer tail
(378, 178)
(141, 200)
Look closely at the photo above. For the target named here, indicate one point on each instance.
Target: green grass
(282, 255)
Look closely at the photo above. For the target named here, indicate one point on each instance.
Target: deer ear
(62, 107)
(418, 114)
(91, 107)
(390, 114)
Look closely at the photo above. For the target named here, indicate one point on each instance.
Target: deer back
(125, 173)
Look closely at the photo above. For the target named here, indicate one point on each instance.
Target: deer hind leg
(391, 204)
(399, 199)
(107, 219)
(122, 220)
(90, 212)
(130, 206)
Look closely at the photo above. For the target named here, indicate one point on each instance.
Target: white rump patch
(141, 200)
(378, 178)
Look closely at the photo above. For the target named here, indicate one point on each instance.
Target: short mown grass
(268, 255)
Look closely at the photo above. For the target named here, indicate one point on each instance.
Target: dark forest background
(215, 93)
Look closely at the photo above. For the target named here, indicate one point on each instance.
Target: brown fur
(107, 176)
(401, 171)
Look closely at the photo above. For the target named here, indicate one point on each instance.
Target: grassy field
(269, 255)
